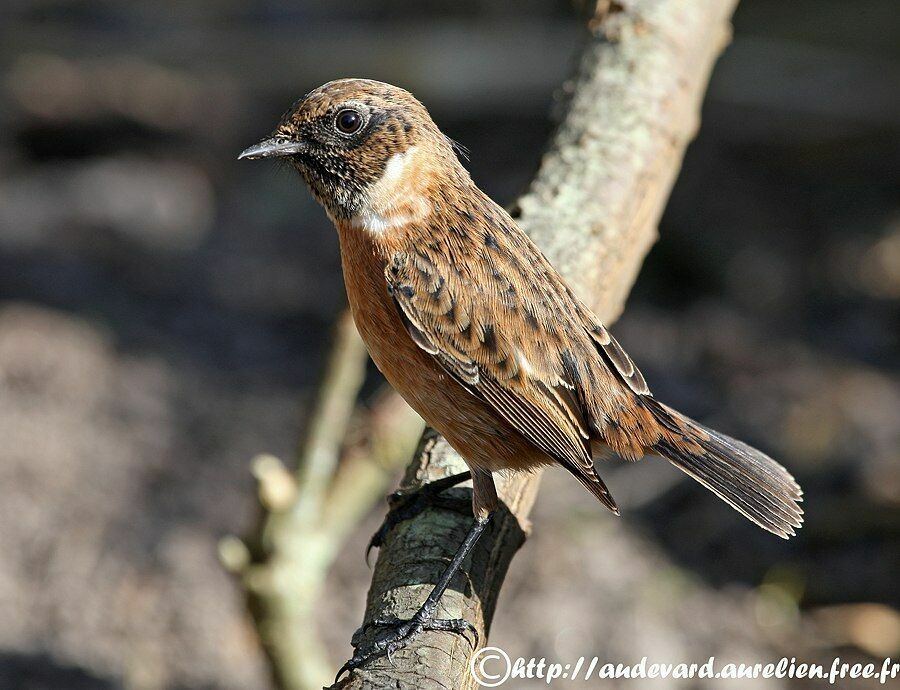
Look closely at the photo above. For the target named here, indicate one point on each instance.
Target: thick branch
(593, 208)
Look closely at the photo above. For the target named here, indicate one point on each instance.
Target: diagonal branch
(593, 208)
(307, 515)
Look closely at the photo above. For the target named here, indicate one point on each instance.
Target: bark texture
(593, 207)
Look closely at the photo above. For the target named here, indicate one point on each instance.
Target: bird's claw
(405, 505)
(402, 632)
(400, 509)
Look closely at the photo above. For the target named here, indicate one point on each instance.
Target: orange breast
(479, 434)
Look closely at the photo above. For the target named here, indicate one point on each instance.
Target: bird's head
(362, 146)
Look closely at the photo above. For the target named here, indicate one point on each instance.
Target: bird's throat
(399, 197)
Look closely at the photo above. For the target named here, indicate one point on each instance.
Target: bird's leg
(400, 632)
(405, 505)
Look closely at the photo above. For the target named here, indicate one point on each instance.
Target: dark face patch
(350, 129)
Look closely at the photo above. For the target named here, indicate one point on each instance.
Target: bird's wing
(480, 326)
(613, 355)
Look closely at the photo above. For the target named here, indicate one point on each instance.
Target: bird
(472, 325)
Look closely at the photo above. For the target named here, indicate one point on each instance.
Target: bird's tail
(747, 479)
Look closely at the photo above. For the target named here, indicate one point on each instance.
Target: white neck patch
(391, 202)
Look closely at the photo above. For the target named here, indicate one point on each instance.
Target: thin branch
(309, 514)
(593, 207)
(345, 374)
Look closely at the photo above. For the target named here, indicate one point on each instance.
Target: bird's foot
(406, 504)
(400, 632)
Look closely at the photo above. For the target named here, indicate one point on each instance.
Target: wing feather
(457, 319)
(614, 354)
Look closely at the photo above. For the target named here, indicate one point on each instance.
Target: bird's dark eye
(348, 121)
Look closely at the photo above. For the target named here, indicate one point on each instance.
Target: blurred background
(164, 313)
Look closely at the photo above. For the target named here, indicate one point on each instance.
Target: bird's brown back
(472, 324)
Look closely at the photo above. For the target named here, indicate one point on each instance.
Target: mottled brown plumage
(472, 325)
(468, 320)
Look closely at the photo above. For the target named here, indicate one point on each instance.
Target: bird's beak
(272, 147)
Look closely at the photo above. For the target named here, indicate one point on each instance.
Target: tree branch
(593, 208)
(307, 515)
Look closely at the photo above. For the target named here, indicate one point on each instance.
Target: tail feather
(747, 479)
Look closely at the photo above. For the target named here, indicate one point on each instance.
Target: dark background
(164, 313)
